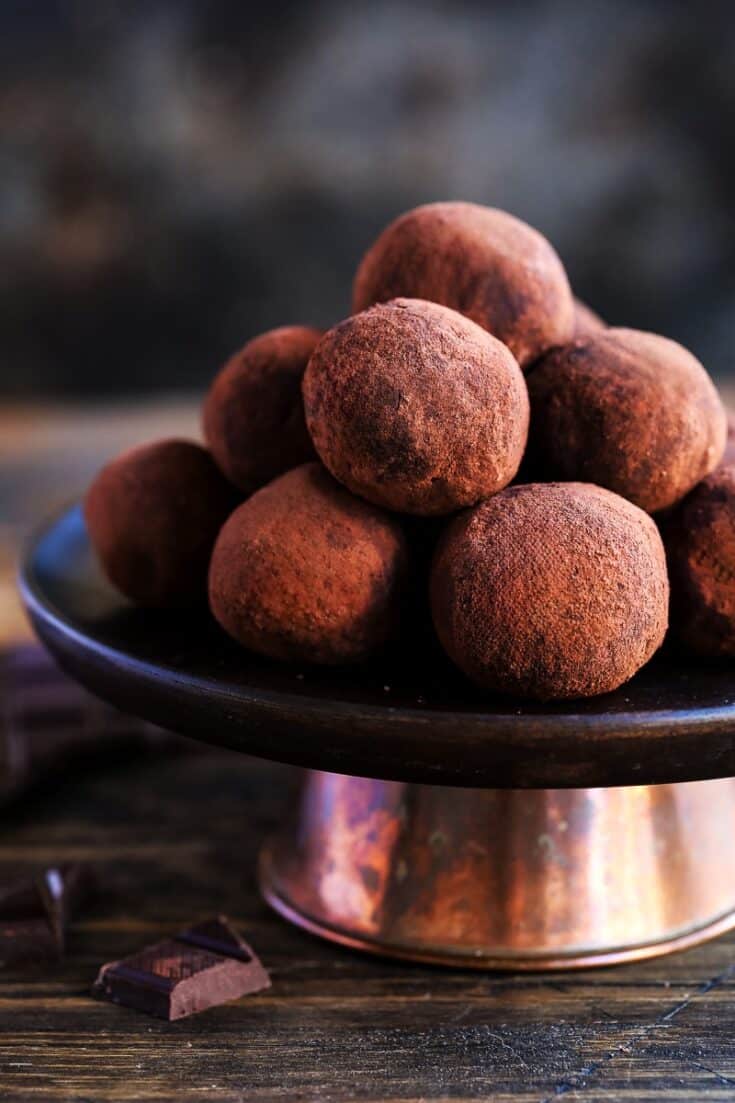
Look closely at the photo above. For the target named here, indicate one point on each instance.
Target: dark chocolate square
(35, 909)
(199, 968)
(26, 941)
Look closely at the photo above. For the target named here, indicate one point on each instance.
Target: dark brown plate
(409, 717)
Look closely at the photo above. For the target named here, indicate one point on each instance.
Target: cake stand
(435, 823)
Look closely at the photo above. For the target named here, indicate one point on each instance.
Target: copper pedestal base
(506, 879)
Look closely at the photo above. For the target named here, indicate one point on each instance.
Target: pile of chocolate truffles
(565, 473)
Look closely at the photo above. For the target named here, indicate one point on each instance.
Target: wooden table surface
(174, 836)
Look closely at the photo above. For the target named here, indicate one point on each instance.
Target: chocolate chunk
(35, 911)
(21, 897)
(28, 941)
(65, 889)
(30, 930)
(196, 969)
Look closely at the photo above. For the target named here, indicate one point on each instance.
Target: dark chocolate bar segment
(28, 933)
(65, 889)
(35, 910)
(21, 896)
(28, 942)
(199, 968)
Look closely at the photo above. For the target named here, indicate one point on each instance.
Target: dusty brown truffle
(729, 454)
(630, 411)
(586, 321)
(416, 408)
(482, 262)
(304, 571)
(700, 545)
(153, 515)
(551, 590)
(254, 415)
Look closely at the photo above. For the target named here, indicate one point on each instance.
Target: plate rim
(532, 729)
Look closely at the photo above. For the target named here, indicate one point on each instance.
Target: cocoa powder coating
(630, 411)
(700, 544)
(303, 571)
(153, 515)
(254, 415)
(483, 262)
(416, 408)
(586, 320)
(551, 590)
(729, 454)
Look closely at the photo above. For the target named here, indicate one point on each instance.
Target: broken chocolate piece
(29, 931)
(66, 889)
(28, 941)
(196, 969)
(35, 911)
(21, 897)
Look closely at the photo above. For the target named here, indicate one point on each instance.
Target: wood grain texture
(176, 839)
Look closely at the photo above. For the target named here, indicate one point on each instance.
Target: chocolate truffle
(551, 590)
(586, 321)
(630, 411)
(254, 414)
(482, 262)
(700, 544)
(304, 571)
(153, 515)
(729, 454)
(416, 408)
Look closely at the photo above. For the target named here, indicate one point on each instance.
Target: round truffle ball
(254, 415)
(729, 454)
(586, 321)
(416, 408)
(630, 411)
(482, 262)
(700, 545)
(153, 515)
(305, 572)
(551, 590)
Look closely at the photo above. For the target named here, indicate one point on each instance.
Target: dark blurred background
(176, 176)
